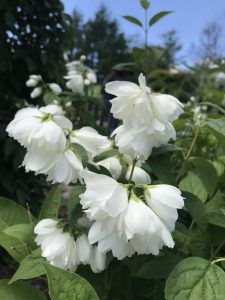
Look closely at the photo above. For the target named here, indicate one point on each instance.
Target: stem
(132, 170)
(213, 105)
(29, 213)
(186, 157)
(218, 260)
(217, 250)
(146, 27)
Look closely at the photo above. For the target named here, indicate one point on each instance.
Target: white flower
(89, 254)
(139, 145)
(75, 83)
(55, 88)
(98, 260)
(83, 58)
(66, 168)
(90, 139)
(84, 249)
(110, 237)
(36, 92)
(61, 250)
(113, 165)
(139, 108)
(103, 197)
(44, 127)
(143, 228)
(139, 176)
(91, 76)
(61, 167)
(87, 82)
(146, 117)
(52, 109)
(79, 75)
(164, 200)
(39, 160)
(135, 226)
(33, 80)
(58, 247)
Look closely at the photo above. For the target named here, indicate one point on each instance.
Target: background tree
(76, 36)
(211, 42)
(172, 46)
(33, 39)
(101, 41)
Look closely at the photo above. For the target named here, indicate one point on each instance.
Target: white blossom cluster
(146, 117)
(122, 216)
(63, 251)
(125, 223)
(36, 82)
(51, 142)
(79, 75)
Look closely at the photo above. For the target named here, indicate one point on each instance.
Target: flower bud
(36, 92)
(55, 88)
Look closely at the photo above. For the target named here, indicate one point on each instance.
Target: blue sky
(189, 17)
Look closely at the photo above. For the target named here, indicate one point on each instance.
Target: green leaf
(192, 183)
(3, 225)
(206, 172)
(158, 16)
(22, 232)
(65, 285)
(106, 154)
(133, 20)
(19, 291)
(30, 267)
(215, 70)
(17, 249)
(197, 210)
(195, 278)
(80, 150)
(145, 4)
(165, 149)
(49, 97)
(217, 127)
(158, 267)
(216, 210)
(12, 213)
(162, 168)
(51, 204)
(73, 201)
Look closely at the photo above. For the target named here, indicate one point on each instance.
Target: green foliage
(31, 266)
(22, 232)
(65, 285)
(158, 17)
(12, 213)
(197, 210)
(216, 210)
(192, 183)
(161, 166)
(19, 291)
(195, 278)
(133, 20)
(206, 172)
(106, 154)
(73, 202)
(82, 153)
(145, 4)
(158, 267)
(51, 204)
(217, 126)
